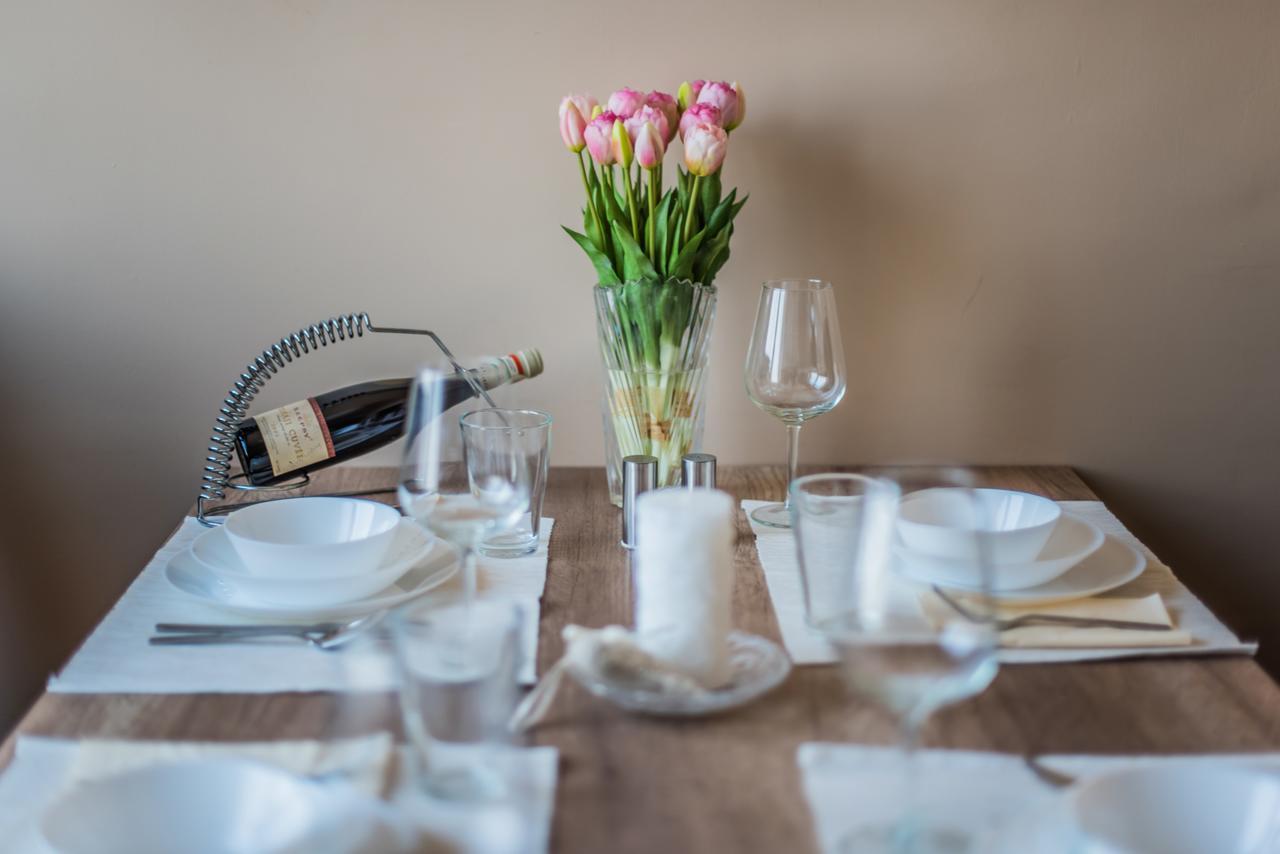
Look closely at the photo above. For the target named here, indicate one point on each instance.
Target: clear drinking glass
(501, 445)
(840, 520)
(458, 661)
(795, 366)
(907, 658)
(435, 487)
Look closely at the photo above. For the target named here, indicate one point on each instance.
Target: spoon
(326, 636)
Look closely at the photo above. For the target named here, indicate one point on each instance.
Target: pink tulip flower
(585, 104)
(705, 146)
(708, 114)
(625, 102)
(572, 125)
(652, 115)
(621, 142)
(599, 138)
(649, 146)
(728, 98)
(664, 102)
(687, 94)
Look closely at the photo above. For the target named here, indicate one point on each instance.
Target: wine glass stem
(793, 458)
(906, 832)
(469, 573)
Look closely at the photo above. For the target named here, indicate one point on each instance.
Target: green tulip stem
(693, 203)
(631, 204)
(651, 226)
(591, 202)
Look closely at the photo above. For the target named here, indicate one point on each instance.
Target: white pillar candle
(684, 580)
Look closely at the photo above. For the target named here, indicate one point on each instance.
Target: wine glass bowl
(893, 649)
(795, 366)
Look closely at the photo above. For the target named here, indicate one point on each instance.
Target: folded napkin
(991, 797)
(364, 762)
(406, 820)
(1147, 609)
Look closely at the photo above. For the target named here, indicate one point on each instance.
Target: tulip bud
(598, 138)
(572, 125)
(649, 146)
(596, 110)
(687, 94)
(741, 114)
(625, 102)
(664, 102)
(724, 96)
(708, 114)
(622, 151)
(648, 114)
(705, 146)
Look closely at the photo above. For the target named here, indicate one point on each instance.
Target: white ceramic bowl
(216, 806)
(948, 522)
(312, 537)
(1073, 539)
(409, 544)
(1180, 809)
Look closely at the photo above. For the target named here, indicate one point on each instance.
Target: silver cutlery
(1049, 619)
(1046, 774)
(326, 636)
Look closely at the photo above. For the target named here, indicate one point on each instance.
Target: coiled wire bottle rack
(218, 477)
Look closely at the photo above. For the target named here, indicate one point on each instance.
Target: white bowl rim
(1097, 538)
(1041, 500)
(384, 566)
(232, 528)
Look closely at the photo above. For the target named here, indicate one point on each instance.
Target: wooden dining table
(730, 783)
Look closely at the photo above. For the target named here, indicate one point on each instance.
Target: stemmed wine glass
(462, 501)
(898, 646)
(795, 366)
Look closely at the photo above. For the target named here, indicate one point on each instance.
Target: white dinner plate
(219, 806)
(1113, 564)
(1073, 539)
(214, 548)
(192, 577)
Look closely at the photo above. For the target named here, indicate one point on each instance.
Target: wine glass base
(773, 515)
(464, 784)
(895, 839)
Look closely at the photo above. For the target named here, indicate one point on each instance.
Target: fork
(1003, 625)
(326, 636)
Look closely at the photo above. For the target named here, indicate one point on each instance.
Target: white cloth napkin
(992, 797)
(776, 548)
(116, 657)
(1145, 609)
(43, 769)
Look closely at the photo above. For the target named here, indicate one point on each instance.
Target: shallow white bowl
(1187, 809)
(214, 806)
(1073, 539)
(949, 522)
(409, 544)
(312, 537)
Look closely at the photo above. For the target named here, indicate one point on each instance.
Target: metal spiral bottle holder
(217, 477)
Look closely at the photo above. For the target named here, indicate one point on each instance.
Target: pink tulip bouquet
(656, 253)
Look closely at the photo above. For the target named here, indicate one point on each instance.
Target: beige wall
(1055, 230)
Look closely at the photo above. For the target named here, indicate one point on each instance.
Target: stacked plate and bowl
(312, 558)
(1033, 551)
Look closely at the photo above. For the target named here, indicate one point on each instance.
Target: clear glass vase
(654, 345)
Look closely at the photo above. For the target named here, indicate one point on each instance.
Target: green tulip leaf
(635, 264)
(604, 267)
(683, 266)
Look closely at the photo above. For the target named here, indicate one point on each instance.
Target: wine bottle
(338, 425)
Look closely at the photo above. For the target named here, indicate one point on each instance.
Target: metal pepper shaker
(639, 475)
(698, 471)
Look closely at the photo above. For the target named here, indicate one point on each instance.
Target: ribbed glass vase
(654, 344)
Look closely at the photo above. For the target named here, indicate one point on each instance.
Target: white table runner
(991, 796)
(776, 548)
(116, 658)
(43, 768)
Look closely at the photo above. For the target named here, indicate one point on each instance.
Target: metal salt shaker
(698, 471)
(639, 475)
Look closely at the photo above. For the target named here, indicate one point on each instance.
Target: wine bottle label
(295, 436)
